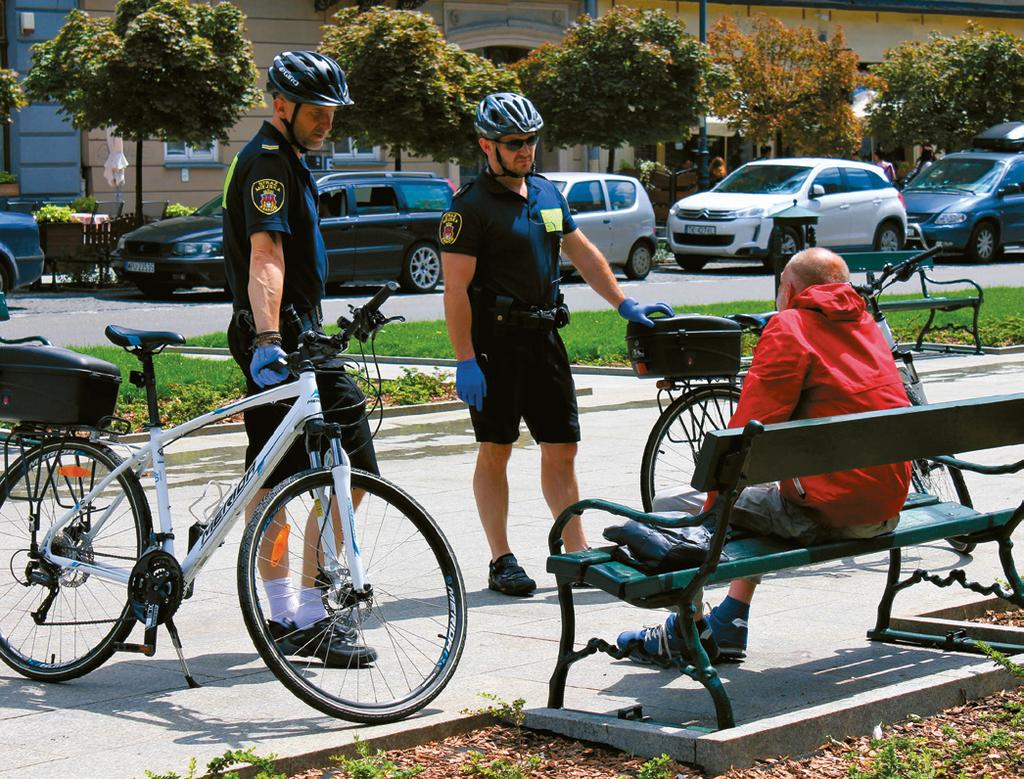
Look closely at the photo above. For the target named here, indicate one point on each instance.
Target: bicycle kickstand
(189, 679)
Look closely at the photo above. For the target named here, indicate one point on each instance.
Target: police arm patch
(451, 226)
(268, 196)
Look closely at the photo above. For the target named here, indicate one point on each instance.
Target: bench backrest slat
(813, 446)
(874, 262)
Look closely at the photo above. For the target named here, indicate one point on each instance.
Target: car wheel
(422, 268)
(639, 262)
(889, 237)
(690, 263)
(155, 289)
(5, 280)
(983, 245)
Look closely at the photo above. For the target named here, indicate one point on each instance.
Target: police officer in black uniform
(500, 249)
(276, 267)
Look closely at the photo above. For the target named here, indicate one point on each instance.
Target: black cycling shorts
(528, 378)
(342, 401)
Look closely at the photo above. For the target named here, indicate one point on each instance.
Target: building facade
(45, 152)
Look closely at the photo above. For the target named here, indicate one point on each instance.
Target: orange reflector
(280, 545)
(73, 471)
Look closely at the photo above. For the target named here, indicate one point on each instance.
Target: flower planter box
(60, 239)
(12, 189)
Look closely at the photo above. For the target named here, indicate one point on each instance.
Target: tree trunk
(611, 160)
(398, 158)
(138, 181)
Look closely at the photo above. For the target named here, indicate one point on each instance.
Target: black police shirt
(515, 241)
(270, 189)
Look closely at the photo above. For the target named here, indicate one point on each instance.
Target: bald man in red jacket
(821, 355)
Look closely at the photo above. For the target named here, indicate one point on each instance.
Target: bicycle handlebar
(901, 272)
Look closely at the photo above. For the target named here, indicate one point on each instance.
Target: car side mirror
(817, 190)
(1009, 189)
(574, 211)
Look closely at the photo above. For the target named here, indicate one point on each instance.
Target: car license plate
(140, 267)
(699, 229)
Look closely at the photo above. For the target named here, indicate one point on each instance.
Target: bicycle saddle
(147, 340)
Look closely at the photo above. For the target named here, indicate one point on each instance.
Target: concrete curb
(797, 733)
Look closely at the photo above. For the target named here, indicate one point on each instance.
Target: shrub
(54, 214)
(6, 177)
(178, 209)
(84, 204)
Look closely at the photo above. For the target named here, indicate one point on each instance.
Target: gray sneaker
(330, 640)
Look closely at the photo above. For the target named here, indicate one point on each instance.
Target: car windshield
(212, 207)
(765, 179)
(957, 175)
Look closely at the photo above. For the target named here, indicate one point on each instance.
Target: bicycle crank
(155, 588)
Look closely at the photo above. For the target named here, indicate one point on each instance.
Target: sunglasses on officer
(519, 143)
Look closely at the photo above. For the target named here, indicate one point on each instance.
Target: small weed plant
(373, 766)
(656, 768)
(501, 709)
(502, 768)
(220, 766)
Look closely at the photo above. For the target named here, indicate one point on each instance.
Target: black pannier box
(55, 386)
(684, 346)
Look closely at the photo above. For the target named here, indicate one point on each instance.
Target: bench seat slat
(927, 303)
(764, 554)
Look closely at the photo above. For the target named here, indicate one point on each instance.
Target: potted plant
(9, 184)
(59, 234)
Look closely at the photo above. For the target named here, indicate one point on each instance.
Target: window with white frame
(179, 151)
(354, 149)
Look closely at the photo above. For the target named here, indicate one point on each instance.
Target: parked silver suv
(857, 209)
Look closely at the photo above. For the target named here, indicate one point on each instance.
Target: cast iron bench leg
(704, 672)
(556, 687)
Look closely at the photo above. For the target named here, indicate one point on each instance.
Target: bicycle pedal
(143, 649)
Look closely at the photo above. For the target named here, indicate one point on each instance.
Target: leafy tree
(629, 76)
(785, 80)
(412, 90)
(12, 97)
(164, 69)
(948, 88)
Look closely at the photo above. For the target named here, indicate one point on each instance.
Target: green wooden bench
(732, 459)
(873, 262)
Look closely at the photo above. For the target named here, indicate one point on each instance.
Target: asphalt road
(78, 318)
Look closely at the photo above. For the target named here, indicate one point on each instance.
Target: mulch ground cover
(984, 738)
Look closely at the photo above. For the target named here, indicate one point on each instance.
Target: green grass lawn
(188, 386)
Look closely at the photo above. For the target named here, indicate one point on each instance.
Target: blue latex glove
(632, 311)
(267, 366)
(470, 384)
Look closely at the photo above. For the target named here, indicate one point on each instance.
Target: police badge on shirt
(268, 196)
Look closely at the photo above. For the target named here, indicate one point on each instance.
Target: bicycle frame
(306, 408)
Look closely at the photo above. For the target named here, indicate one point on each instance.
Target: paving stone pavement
(807, 645)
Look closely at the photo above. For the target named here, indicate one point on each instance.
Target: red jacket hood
(838, 302)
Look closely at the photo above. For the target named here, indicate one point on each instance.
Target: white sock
(311, 607)
(281, 596)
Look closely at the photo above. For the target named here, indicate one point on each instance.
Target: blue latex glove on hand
(632, 311)
(470, 384)
(267, 366)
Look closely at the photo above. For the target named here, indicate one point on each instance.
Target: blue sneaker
(663, 641)
(731, 636)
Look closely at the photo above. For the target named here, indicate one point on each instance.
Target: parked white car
(857, 208)
(616, 214)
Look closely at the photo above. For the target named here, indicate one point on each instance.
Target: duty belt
(501, 312)
(290, 319)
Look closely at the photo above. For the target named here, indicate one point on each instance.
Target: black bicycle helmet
(506, 113)
(308, 77)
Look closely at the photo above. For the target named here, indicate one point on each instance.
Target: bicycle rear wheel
(927, 476)
(414, 620)
(675, 440)
(60, 623)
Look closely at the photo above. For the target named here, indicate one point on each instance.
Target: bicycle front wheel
(58, 623)
(402, 640)
(675, 440)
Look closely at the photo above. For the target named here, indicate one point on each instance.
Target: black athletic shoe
(330, 640)
(507, 576)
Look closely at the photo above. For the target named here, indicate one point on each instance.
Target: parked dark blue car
(972, 201)
(21, 258)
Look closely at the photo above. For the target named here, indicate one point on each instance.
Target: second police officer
(501, 242)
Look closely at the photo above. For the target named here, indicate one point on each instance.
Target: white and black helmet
(506, 113)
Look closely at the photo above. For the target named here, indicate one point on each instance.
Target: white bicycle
(80, 561)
